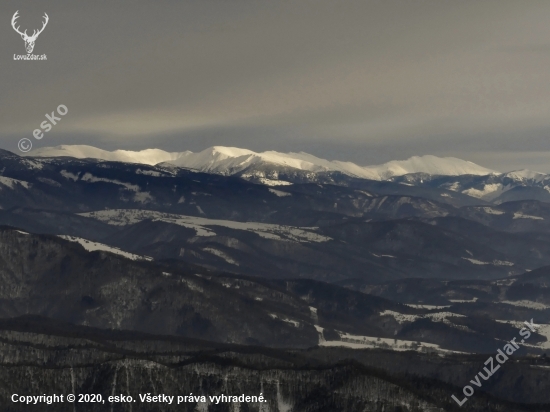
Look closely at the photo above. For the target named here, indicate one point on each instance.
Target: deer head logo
(29, 40)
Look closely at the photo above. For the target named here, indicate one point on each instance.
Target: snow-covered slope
(433, 165)
(94, 246)
(496, 188)
(231, 160)
(526, 175)
(148, 156)
(206, 227)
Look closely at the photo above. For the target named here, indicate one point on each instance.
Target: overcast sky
(366, 81)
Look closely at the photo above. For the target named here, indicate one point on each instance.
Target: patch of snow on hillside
(279, 193)
(31, 164)
(148, 173)
(143, 197)
(388, 256)
(371, 342)
(434, 317)
(294, 323)
(271, 182)
(515, 323)
(519, 215)
(68, 175)
(505, 282)
(441, 316)
(422, 306)
(88, 177)
(221, 254)
(495, 262)
(121, 217)
(463, 300)
(400, 317)
(192, 285)
(483, 193)
(320, 330)
(527, 304)
(491, 211)
(94, 246)
(455, 186)
(544, 330)
(541, 329)
(314, 315)
(11, 183)
(476, 262)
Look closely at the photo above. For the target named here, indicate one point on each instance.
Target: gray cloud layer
(366, 81)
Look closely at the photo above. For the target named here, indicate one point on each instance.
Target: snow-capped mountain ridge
(433, 165)
(147, 156)
(526, 174)
(496, 188)
(232, 160)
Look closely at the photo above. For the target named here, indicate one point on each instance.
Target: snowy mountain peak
(433, 165)
(227, 151)
(232, 160)
(526, 174)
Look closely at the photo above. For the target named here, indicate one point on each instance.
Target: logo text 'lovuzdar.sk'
(29, 40)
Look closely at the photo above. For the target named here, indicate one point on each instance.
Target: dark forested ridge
(54, 357)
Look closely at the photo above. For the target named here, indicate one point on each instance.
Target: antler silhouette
(37, 32)
(14, 18)
(29, 40)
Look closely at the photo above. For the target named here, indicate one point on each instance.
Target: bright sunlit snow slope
(433, 165)
(148, 156)
(231, 160)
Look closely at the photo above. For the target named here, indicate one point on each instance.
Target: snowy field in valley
(206, 227)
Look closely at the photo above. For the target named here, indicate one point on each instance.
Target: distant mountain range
(299, 277)
(232, 160)
(356, 228)
(455, 177)
(495, 188)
